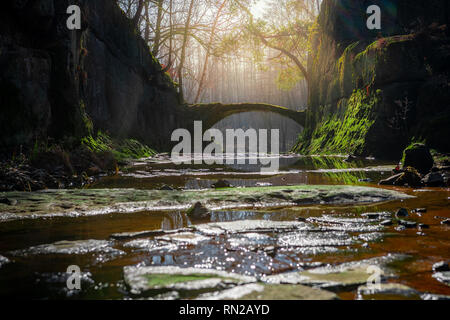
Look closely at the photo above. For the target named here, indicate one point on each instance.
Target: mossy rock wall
(371, 92)
(59, 83)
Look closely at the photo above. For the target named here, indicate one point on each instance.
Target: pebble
(446, 222)
(420, 210)
(402, 213)
(424, 226)
(407, 224)
(387, 223)
(441, 266)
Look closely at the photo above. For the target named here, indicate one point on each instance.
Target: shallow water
(333, 234)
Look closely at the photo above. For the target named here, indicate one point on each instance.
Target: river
(264, 241)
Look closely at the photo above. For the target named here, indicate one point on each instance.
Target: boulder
(434, 179)
(221, 184)
(419, 157)
(198, 211)
(409, 177)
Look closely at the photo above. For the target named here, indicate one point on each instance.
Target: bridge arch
(210, 114)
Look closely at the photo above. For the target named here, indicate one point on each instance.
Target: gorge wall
(59, 83)
(372, 92)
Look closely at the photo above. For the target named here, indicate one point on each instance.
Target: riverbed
(317, 229)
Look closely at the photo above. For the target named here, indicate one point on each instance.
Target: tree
(183, 50)
(283, 34)
(208, 51)
(137, 16)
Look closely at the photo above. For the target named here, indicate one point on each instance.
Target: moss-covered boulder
(419, 157)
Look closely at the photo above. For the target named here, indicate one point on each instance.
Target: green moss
(121, 149)
(161, 280)
(344, 131)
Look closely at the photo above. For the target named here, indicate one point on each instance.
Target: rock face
(371, 92)
(60, 83)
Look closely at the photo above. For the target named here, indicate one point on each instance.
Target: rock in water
(434, 179)
(410, 177)
(166, 188)
(390, 181)
(198, 211)
(441, 266)
(221, 184)
(419, 157)
(402, 213)
(8, 201)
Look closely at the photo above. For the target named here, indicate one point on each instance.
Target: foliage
(121, 149)
(344, 131)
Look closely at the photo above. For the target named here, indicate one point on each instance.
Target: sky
(258, 8)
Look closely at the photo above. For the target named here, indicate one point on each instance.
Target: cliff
(372, 92)
(59, 83)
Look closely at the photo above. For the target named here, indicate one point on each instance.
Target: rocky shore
(419, 168)
(55, 169)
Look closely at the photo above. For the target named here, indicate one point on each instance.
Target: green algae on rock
(51, 203)
(345, 276)
(143, 279)
(387, 290)
(256, 291)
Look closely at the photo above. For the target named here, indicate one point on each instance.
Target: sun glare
(259, 7)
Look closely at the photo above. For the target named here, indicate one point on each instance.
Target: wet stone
(401, 213)
(198, 211)
(397, 290)
(434, 297)
(134, 235)
(101, 248)
(446, 222)
(340, 277)
(250, 226)
(184, 238)
(441, 266)
(3, 261)
(315, 239)
(166, 188)
(270, 292)
(144, 279)
(443, 277)
(423, 226)
(333, 223)
(221, 184)
(150, 245)
(387, 223)
(377, 215)
(105, 201)
(371, 237)
(250, 239)
(407, 224)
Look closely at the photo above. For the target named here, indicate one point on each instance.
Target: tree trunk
(183, 51)
(137, 16)
(156, 44)
(208, 52)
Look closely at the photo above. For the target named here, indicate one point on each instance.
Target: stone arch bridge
(210, 114)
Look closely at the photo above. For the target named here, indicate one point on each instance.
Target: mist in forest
(233, 51)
